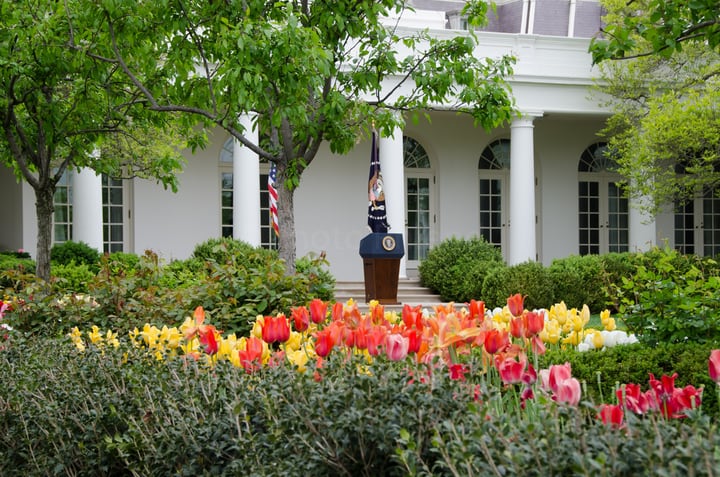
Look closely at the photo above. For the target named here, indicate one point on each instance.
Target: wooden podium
(381, 255)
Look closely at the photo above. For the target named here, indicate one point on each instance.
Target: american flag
(272, 193)
(377, 215)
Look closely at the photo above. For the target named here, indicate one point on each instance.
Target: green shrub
(103, 413)
(577, 281)
(604, 370)
(321, 283)
(12, 266)
(74, 252)
(222, 248)
(455, 268)
(71, 277)
(121, 261)
(615, 266)
(671, 298)
(530, 279)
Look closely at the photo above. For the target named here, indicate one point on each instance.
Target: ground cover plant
(309, 393)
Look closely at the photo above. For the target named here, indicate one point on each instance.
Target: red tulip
(275, 329)
(511, 370)
(686, 398)
(337, 311)
(612, 415)
(396, 346)
(496, 340)
(375, 339)
(300, 317)
(568, 391)
(207, 337)
(664, 388)
(412, 316)
(517, 327)
(534, 323)
(414, 340)
(318, 310)
(630, 396)
(251, 355)
(714, 365)
(477, 309)
(515, 304)
(324, 342)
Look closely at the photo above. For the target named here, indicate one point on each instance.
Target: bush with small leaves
(455, 268)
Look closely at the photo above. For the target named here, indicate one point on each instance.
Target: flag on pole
(377, 215)
(273, 195)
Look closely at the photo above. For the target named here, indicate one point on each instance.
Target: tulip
(324, 342)
(477, 309)
(511, 370)
(412, 316)
(251, 356)
(275, 329)
(396, 346)
(337, 311)
(414, 340)
(534, 323)
(568, 391)
(300, 317)
(558, 373)
(714, 365)
(630, 396)
(515, 304)
(496, 340)
(318, 310)
(207, 337)
(517, 327)
(375, 339)
(612, 415)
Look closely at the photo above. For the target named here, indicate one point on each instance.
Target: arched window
(493, 173)
(602, 209)
(419, 181)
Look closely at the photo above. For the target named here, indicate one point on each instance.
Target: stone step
(410, 292)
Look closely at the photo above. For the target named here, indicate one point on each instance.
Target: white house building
(537, 188)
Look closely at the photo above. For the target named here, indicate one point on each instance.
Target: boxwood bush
(455, 268)
(79, 253)
(578, 281)
(530, 279)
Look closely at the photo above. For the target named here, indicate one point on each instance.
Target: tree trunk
(286, 222)
(44, 208)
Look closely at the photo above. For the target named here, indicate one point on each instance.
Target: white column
(571, 18)
(522, 192)
(643, 229)
(392, 166)
(87, 220)
(246, 186)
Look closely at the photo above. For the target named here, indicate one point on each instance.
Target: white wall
(173, 223)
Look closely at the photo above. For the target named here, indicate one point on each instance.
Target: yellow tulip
(294, 342)
(550, 332)
(585, 315)
(598, 340)
(257, 327)
(299, 358)
(604, 316)
(610, 324)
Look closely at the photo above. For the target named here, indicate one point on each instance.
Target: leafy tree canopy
(60, 106)
(644, 27)
(665, 128)
(308, 71)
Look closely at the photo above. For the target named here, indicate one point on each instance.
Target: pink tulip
(714, 365)
(558, 374)
(511, 371)
(396, 347)
(568, 391)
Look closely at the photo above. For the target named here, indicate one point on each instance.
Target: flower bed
(332, 391)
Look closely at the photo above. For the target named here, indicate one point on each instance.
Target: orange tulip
(318, 310)
(515, 304)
